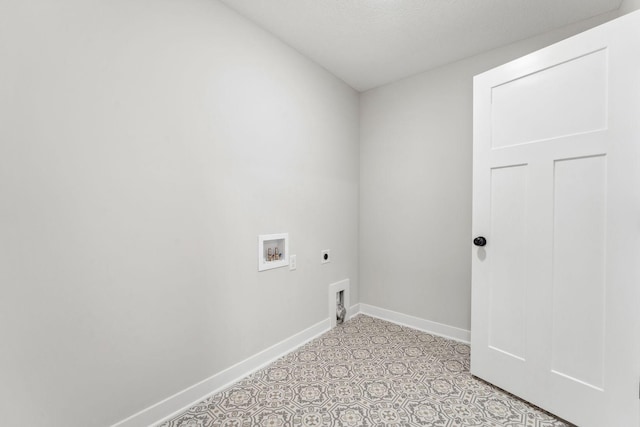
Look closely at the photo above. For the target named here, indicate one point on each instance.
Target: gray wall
(144, 145)
(629, 6)
(415, 186)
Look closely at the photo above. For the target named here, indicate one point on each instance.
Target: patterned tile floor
(367, 372)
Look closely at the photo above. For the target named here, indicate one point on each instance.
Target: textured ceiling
(368, 43)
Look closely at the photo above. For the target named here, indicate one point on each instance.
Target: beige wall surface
(144, 145)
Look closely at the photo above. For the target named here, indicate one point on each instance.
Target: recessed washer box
(273, 251)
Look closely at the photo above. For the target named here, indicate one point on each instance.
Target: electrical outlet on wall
(292, 262)
(325, 256)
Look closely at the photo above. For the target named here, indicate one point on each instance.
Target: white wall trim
(181, 401)
(353, 311)
(435, 328)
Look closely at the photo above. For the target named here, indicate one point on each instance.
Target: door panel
(579, 244)
(507, 305)
(527, 108)
(556, 192)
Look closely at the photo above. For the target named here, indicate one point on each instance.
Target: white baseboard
(434, 328)
(181, 401)
(353, 311)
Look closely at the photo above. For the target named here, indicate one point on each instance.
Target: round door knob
(480, 241)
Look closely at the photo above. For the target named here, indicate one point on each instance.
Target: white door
(556, 190)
